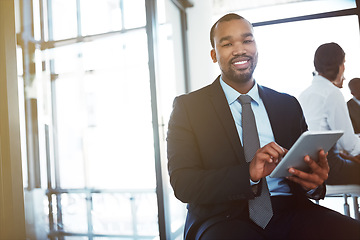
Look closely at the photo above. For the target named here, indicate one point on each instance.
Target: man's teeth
(241, 62)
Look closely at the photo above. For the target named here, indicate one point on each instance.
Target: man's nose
(239, 49)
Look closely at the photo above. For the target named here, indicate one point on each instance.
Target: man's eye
(249, 41)
(227, 45)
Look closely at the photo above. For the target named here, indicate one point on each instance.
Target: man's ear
(213, 55)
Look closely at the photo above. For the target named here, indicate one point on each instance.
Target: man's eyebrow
(226, 38)
(248, 35)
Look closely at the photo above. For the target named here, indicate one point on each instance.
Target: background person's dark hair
(327, 60)
(352, 82)
(225, 18)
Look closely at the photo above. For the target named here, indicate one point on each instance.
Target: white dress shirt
(325, 108)
(277, 186)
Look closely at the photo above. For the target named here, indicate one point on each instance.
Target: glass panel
(111, 238)
(99, 16)
(55, 224)
(74, 212)
(71, 124)
(75, 238)
(146, 214)
(118, 139)
(258, 11)
(126, 214)
(161, 11)
(98, 113)
(19, 59)
(134, 13)
(21, 94)
(37, 213)
(121, 107)
(112, 214)
(286, 60)
(66, 59)
(126, 52)
(64, 19)
(36, 20)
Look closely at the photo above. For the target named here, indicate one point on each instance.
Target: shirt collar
(232, 95)
(356, 100)
(321, 79)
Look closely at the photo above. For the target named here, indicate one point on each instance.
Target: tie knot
(245, 99)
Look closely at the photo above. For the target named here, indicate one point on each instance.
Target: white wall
(199, 23)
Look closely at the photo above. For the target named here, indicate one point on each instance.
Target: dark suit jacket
(206, 162)
(354, 111)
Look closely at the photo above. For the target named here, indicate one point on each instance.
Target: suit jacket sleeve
(202, 164)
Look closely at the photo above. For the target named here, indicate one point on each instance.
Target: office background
(86, 90)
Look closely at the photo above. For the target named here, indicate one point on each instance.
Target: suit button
(227, 216)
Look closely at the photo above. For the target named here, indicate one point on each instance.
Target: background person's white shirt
(325, 108)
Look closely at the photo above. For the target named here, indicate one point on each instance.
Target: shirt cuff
(311, 191)
(252, 183)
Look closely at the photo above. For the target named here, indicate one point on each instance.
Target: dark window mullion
(161, 191)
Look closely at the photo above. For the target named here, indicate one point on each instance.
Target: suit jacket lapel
(277, 126)
(222, 109)
(274, 116)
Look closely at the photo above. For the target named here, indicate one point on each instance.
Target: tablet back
(309, 143)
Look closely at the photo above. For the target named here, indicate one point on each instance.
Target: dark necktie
(260, 209)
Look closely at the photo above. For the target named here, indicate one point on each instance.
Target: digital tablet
(309, 143)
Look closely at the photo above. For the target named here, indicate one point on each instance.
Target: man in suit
(354, 104)
(207, 165)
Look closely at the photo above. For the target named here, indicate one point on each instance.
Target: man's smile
(241, 64)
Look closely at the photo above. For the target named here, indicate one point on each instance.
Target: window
(90, 90)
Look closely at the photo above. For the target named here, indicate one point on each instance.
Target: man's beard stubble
(237, 76)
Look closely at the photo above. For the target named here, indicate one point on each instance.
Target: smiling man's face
(235, 51)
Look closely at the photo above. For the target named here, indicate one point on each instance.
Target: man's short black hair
(328, 59)
(225, 18)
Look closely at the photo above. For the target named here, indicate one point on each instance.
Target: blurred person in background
(325, 108)
(354, 104)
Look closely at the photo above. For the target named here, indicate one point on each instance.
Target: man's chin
(239, 76)
(242, 78)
